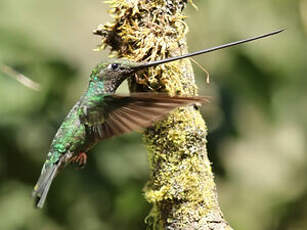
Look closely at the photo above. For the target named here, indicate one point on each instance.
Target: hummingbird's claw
(80, 159)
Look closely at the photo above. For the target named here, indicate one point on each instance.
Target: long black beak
(155, 63)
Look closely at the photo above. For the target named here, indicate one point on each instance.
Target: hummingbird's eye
(113, 66)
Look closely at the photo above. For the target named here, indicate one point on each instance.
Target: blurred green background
(257, 117)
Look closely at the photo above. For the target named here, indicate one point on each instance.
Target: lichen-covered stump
(181, 186)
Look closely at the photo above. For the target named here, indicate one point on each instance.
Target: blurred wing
(122, 114)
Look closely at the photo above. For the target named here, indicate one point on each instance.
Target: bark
(181, 186)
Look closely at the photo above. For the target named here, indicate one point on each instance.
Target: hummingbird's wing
(114, 114)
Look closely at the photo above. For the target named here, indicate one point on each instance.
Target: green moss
(183, 174)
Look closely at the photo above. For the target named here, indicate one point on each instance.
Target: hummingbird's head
(110, 75)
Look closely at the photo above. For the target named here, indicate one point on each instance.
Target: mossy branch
(181, 187)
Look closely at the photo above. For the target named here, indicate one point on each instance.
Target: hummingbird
(100, 114)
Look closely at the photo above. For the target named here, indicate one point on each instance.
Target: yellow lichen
(181, 186)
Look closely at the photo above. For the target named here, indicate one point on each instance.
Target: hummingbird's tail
(43, 184)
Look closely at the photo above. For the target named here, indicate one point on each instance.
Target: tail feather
(42, 187)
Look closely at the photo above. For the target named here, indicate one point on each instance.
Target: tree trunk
(181, 187)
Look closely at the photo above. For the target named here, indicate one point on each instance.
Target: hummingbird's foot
(80, 159)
